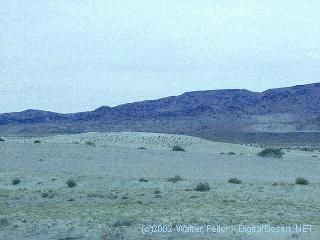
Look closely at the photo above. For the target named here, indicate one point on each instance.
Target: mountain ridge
(210, 111)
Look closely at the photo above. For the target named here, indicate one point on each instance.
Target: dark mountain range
(201, 113)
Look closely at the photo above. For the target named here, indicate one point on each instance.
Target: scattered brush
(301, 181)
(177, 148)
(234, 181)
(71, 183)
(271, 152)
(202, 187)
(175, 179)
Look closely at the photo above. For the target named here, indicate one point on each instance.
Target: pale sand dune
(108, 187)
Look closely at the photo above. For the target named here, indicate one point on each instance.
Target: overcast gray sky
(73, 55)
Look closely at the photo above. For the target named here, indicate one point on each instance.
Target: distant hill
(200, 113)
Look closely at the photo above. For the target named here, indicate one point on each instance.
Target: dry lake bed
(134, 186)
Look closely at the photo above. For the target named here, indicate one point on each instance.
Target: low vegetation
(271, 152)
(177, 148)
(71, 183)
(89, 143)
(202, 187)
(175, 179)
(37, 141)
(16, 181)
(2, 140)
(301, 181)
(234, 181)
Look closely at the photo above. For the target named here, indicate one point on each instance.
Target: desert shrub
(278, 184)
(234, 181)
(143, 180)
(49, 194)
(4, 222)
(37, 141)
(202, 187)
(175, 179)
(89, 143)
(271, 152)
(302, 181)
(157, 191)
(231, 153)
(71, 183)
(2, 140)
(45, 195)
(123, 223)
(307, 149)
(16, 181)
(177, 148)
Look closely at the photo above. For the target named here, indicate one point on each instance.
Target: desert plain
(119, 185)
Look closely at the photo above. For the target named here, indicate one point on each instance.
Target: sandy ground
(109, 201)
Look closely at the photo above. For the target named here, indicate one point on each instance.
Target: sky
(72, 55)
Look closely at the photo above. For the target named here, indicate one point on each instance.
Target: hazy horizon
(77, 56)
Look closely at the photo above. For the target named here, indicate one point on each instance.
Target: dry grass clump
(234, 181)
(175, 179)
(301, 181)
(271, 152)
(177, 148)
(202, 187)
